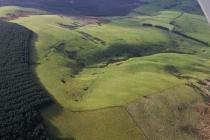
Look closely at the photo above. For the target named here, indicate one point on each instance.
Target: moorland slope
(138, 76)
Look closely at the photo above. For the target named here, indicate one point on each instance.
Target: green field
(110, 123)
(96, 68)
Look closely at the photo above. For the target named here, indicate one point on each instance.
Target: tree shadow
(54, 105)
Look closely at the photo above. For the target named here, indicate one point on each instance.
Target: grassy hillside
(94, 59)
(193, 25)
(154, 6)
(105, 73)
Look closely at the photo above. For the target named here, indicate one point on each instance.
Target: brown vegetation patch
(83, 21)
(18, 14)
(72, 26)
(92, 20)
(204, 125)
(91, 38)
(204, 111)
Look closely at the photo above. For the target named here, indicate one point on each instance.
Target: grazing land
(135, 77)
